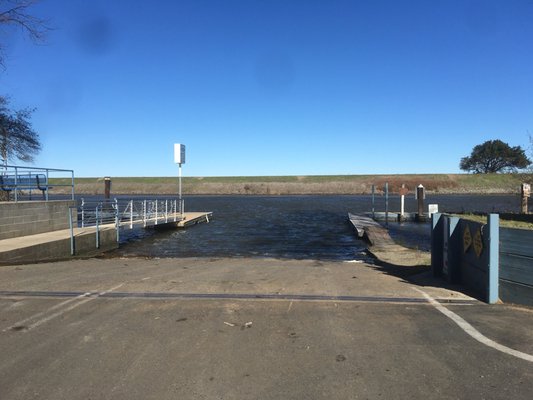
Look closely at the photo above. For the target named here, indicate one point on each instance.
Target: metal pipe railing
(17, 179)
(71, 226)
(130, 212)
(119, 213)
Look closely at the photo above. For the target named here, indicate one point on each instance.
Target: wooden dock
(370, 230)
(360, 222)
(188, 219)
(193, 218)
(382, 246)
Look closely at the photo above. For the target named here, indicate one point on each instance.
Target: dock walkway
(382, 246)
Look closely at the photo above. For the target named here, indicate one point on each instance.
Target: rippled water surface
(299, 227)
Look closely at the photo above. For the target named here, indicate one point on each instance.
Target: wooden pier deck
(382, 246)
(193, 218)
(360, 222)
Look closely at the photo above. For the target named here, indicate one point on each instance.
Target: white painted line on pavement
(62, 311)
(290, 306)
(465, 326)
(22, 322)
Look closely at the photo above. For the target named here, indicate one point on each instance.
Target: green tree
(18, 140)
(494, 156)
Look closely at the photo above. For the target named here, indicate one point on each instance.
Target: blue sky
(268, 87)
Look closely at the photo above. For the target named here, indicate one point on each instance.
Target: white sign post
(179, 158)
(403, 192)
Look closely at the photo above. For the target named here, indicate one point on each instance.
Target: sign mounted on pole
(179, 153)
(179, 158)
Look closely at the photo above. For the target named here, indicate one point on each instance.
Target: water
(296, 227)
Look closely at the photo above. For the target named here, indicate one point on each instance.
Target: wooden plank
(378, 236)
(511, 292)
(516, 241)
(359, 222)
(193, 218)
(371, 230)
(516, 268)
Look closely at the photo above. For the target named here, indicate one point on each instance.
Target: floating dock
(360, 222)
(370, 230)
(392, 216)
(398, 217)
(189, 219)
(194, 218)
(381, 244)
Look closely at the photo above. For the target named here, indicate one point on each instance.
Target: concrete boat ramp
(382, 246)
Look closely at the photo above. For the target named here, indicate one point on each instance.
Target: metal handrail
(24, 174)
(123, 213)
(130, 212)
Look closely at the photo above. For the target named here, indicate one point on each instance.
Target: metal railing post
(46, 191)
(386, 204)
(16, 184)
(144, 213)
(131, 214)
(175, 209)
(166, 211)
(97, 230)
(82, 212)
(156, 211)
(29, 178)
(71, 231)
(72, 185)
(373, 201)
(117, 223)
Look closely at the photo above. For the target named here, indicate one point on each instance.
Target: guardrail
(23, 181)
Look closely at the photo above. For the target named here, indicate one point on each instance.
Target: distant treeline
(316, 184)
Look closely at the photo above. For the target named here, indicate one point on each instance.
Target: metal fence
(33, 183)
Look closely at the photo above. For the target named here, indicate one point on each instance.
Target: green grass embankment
(318, 184)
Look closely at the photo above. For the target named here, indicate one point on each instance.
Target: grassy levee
(292, 185)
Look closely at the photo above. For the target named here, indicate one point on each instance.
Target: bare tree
(15, 13)
(18, 140)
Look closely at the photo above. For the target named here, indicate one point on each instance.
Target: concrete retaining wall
(84, 245)
(32, 217)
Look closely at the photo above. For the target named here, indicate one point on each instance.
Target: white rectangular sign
(432, 209)
(179, 153)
